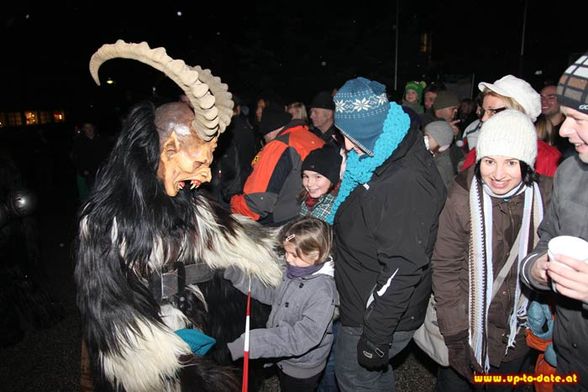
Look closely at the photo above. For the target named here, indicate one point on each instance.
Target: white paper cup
(568, 246)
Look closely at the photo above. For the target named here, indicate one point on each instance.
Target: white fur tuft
(199, 294)
(173, 317)
(156, 259)
(255, 256)
(148, 360)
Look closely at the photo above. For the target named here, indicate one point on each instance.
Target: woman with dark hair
(489, 222)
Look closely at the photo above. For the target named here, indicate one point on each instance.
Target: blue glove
(539, 314)
(199, 342)
(550, 356)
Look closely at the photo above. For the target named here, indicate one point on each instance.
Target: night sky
(292, 49)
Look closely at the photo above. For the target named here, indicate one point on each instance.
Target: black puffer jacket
(384, 237)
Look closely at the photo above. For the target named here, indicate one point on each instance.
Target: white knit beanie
(509, 133)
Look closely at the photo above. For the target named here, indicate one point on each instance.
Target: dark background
(293, 49)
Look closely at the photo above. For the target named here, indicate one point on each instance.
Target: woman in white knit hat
(492, 212)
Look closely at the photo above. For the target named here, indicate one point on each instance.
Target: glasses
(491, 112)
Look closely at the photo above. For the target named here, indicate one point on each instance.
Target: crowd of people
(379, 205)
(434, 194)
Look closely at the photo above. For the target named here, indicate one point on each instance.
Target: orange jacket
(271, 190)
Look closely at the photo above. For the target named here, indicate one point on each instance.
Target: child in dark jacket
(298, 333)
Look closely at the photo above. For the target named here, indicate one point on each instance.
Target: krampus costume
(145, 238)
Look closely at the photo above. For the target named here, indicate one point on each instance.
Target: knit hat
(361, 107)
(323, 100)
(442, 133)
(445, 99)
(325, 161)
(416, 86)
(572, 90)
(272, 118)
(509, 133)
(519, 90)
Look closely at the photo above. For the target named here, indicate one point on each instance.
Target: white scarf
(480, 263)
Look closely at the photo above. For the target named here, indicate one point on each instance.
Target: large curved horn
(210, 98)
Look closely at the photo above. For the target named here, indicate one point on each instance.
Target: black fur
(226, 322)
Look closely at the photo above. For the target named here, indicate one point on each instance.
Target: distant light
(27, 16)
(109, 81)
(324, 63)
(153, 89)
(539, 72)
(179, 13)
(58, 117)
(218, 33)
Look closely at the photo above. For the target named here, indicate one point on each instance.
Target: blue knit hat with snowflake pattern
(361, 107)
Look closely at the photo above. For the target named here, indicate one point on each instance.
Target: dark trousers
(328, 382)
(351, 376)
(291, 384)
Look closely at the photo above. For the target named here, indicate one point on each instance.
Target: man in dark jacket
(385, 223)
(322, 111)
(568, 215)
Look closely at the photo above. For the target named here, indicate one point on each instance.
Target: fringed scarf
(480, 263)
(359, 169)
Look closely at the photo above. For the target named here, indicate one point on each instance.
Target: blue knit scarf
(359, 169)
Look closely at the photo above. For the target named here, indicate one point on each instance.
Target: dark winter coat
(384, 236)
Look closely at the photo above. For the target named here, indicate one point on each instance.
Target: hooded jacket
(299, 328)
